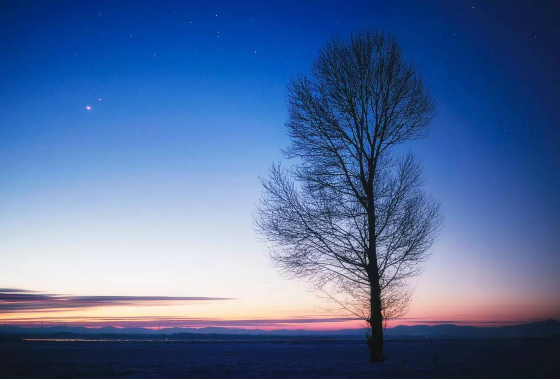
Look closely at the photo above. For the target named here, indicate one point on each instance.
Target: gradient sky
(150, 193)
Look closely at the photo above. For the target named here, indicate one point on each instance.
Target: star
(88, 108)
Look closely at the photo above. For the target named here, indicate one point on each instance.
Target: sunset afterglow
(130, 165)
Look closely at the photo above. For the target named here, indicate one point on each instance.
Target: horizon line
(81, 324)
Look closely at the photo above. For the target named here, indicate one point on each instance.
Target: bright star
(88, 108)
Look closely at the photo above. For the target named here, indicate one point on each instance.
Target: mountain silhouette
(543, 329)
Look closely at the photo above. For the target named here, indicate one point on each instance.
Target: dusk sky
(133, 135)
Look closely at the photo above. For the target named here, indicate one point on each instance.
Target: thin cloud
(12, 290)
(468, 322)
(17, 300)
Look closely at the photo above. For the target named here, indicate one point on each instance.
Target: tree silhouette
(350, 215)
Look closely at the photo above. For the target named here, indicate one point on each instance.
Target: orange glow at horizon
(155, 317)
(301, 312)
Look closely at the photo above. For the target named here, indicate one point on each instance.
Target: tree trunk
(375, 340)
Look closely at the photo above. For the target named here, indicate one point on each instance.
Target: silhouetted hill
(546, 328)
(542, 329)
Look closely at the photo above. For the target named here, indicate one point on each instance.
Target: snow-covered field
(464, 359)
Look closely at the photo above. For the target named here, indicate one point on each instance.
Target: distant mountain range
(548, 328)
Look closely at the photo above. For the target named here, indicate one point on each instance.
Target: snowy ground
(462, 359)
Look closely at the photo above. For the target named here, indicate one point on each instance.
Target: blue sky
(151, 191)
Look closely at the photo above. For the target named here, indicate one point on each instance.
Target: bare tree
(350, 215)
